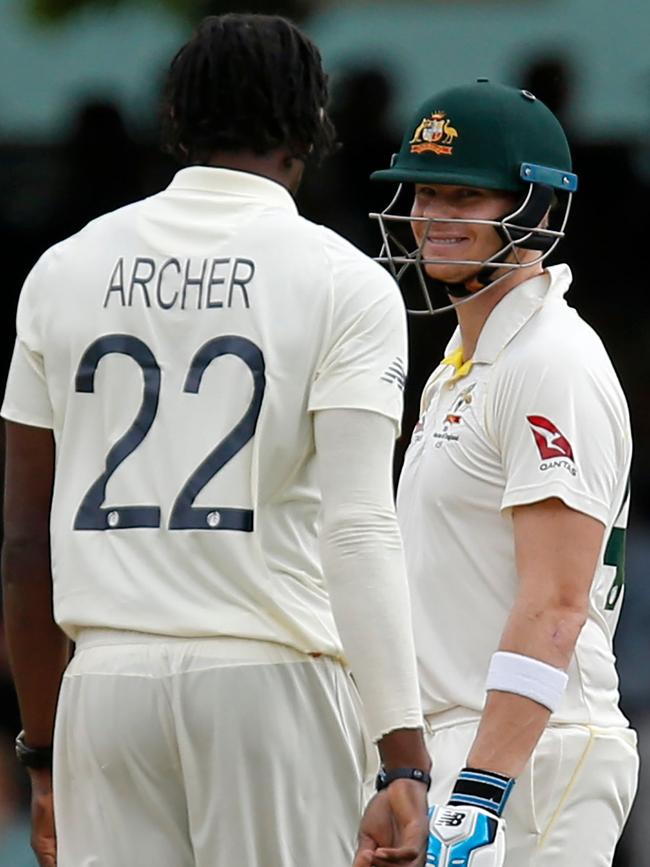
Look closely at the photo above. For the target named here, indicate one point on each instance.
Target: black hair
(247, 82)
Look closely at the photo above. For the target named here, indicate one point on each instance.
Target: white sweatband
(523, 675)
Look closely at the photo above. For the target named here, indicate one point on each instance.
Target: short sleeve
(363, 363)
(26, 397)
(562, 429)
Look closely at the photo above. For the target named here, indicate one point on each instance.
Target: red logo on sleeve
(551, 442)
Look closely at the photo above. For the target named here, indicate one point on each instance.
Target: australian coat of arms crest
(435, 133)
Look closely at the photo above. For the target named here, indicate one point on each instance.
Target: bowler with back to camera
(201, 413)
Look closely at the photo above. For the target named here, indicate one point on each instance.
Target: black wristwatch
(385, 778)
(36, 758)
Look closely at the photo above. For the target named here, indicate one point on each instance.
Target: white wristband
(523, 675)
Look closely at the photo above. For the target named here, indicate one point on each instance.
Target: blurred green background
(80, 86)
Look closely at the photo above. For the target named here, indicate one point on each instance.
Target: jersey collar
(511, 314)
(229, 182)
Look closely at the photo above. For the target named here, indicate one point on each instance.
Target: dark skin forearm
(394, 827)
(404, 748)
(38, 649)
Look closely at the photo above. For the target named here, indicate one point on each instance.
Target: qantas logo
(550, 440)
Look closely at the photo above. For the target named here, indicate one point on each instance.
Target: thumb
(363, 857)
(398, 855)
(408, 846)
(366, 848)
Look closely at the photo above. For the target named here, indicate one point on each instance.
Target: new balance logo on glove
(465, 837)
(450, 817)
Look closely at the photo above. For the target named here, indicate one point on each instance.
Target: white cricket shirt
(539, 414)
(177, 348)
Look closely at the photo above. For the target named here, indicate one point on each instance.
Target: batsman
(513, 497)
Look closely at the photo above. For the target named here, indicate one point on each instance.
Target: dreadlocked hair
(247, 82)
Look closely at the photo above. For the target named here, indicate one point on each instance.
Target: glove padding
(464, 836)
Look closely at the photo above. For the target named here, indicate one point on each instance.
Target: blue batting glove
(465, 836)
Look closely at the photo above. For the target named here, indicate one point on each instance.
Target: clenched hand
(394, 828)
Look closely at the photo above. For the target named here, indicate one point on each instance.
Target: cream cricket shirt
(539, 414)
(177, 348)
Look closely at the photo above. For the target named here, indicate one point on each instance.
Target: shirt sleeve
(26, 399)
(363, 363)
(562, 429)
(363, 561)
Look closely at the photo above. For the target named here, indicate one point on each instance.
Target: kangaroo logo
(550, 440)
(434, 133)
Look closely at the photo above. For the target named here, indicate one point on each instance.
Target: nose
(436, 208)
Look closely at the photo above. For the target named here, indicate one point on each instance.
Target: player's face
(458, 240)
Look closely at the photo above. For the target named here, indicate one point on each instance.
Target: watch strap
(385, 778)
(36, 758)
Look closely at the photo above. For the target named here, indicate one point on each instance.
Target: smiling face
(458, 240)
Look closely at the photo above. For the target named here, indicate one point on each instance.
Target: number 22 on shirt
(92, 514)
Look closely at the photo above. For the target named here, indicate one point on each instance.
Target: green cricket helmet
(494, 137)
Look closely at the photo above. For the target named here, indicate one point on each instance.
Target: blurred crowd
(49, 192)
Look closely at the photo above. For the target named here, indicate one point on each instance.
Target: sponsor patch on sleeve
(554, 448)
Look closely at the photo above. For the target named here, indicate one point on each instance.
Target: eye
(469, 193)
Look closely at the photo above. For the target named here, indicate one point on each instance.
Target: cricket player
(201, 412)
(513, 497)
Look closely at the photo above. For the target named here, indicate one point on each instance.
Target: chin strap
(462, 290)
(539, 201)
(468, 287)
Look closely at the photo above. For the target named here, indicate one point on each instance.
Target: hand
(43, 834)
(455, 825)
(394, 827)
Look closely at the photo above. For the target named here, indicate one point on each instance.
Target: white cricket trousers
(569, 806)
(205, 753)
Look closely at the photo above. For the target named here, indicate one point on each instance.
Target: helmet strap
(456, 290)
(473, 284)
(538, 202)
